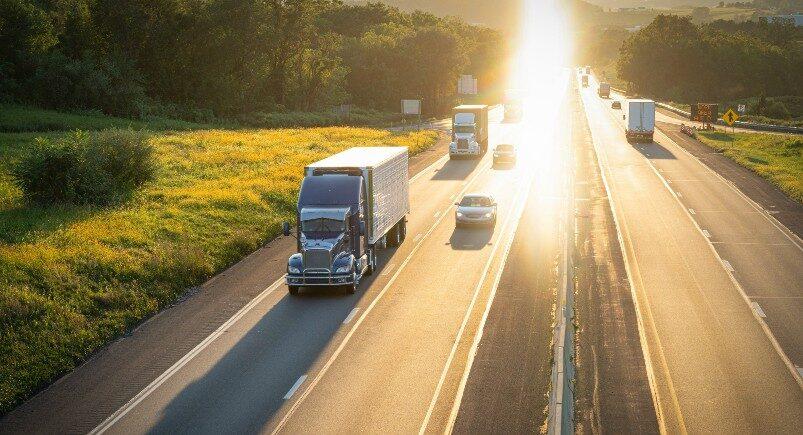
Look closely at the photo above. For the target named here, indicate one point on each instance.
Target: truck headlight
(489, 214)
(452, 145)
(459, 214)
(343, 269)
(292, 269)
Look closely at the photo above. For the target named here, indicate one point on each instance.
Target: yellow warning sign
(730, 117)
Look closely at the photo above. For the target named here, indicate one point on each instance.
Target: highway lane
(713, 368)
(239, 382)
(765, 257)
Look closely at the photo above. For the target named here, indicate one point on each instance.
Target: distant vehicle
(350, 205)
(584, 80)
(504, 153)
(616, 104)
(476, 209)
(513, 104)
(469, 131)
(604, 90)
(640, 120)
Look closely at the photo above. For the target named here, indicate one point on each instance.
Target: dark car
(616, 105)
(504, 153)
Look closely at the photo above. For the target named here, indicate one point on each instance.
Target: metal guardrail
(740, 124)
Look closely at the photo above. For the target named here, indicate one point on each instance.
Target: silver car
(476, 209)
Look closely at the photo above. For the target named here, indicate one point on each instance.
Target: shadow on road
(456, 169)
(655, 150)
(244, 389)
(471, 239)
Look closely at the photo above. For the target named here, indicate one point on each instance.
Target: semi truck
(604, 90)
(469, 131)
(640, 116)
(350, 205)
(584, 80)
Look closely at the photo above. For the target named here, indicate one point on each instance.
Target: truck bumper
(639, 136)
(319, 279)
(464, 152)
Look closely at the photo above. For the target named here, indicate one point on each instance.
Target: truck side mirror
(362, 228)
(286, 228)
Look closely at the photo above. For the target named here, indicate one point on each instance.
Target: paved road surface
(714, 367)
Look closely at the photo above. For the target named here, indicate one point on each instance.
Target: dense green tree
(195, 58)
(674, 59)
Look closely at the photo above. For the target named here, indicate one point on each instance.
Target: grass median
(776, 157)
(72, 278)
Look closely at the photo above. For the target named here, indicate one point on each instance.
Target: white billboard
(411, 107)
(467, 85)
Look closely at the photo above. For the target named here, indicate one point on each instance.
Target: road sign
(730, 117)
(741, 109)
(411, 107)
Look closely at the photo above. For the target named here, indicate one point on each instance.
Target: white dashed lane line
(295, 387)
(757, 309)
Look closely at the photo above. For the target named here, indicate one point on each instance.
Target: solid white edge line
(156, 383)
(319, 375)
(512, 217)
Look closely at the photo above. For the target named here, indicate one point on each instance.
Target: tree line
(674, 59)
(199, 59)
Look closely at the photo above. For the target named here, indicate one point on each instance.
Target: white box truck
(640, 116)
(349, 205)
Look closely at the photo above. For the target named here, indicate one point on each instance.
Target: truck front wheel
(292, 289)
(352, 288)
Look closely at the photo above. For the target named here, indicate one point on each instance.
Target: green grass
(21, 119)
(778, 158)
(73, 278)
(15, 118)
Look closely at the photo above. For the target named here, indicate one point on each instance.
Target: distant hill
(504, 15)
(654, 3)
(499, 14)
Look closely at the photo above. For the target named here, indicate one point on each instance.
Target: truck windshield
(464, 129)
(323, 225)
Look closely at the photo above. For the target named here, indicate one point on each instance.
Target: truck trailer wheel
(402, 231)
(371, 261)
(393, 236)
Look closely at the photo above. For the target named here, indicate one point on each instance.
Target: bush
(84, 168)
(777, 109)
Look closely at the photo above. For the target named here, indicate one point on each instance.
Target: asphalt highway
(710, 272)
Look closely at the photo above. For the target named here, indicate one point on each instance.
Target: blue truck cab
(349, 205)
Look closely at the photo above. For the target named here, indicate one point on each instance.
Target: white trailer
(640, 115)
(384, 174)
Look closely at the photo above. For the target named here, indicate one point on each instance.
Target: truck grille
(462, 144)
(316, 259)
